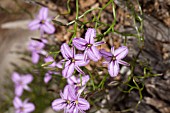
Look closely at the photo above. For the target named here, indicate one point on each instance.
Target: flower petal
(47, 78)
(15, 77)
(26, 87)
(79, 70)
(74, 110)
(123, 63)
(48, 28)
(18, 90)
(71, 92)
(66, 51)
(106, 55)
(60, 64)
(83, 104)
(67, 63)
(35, 57)
(17, 102)
(85, 54)
(84, 80)
(66, 92)
(34, 25)
(72, 80)
(90, 35)
(93, 53)
(112, 50)
(79, 60)
(68, 70)
(99, 43)
(50, 59)
(80, 43)
(42, 30)
(58, 104)
(29, 107)
(43, 13)
(113, 68)
(121, 52)
(26, 79)
(36, 46)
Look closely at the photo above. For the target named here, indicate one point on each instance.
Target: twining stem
(75, 24)
(88, 11)
(110, 1)
(77, 9)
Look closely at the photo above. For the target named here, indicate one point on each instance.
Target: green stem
(75, 24)
(101, 12)
(82, 15)
(77, 9)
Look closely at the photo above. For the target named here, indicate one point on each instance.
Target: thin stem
(82, 16)
(101, 12)
(75, 24)
(77, 9)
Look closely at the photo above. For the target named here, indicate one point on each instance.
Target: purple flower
(88, 45)
(23, 107)
(21, 83)
(48, 76)
(78, 104)
(114, 59)
(50, 59)
(72, 61)
(70, 101)
(42, 22)
(36, 48)
(64, 102)
(78, 82)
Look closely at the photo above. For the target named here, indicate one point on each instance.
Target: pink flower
(64, 102)
(48, 76)
(50, 59)
(79, 105)
(114, 58)
(88, 45)
(36, 48)
(77, 81)
(70, 101)
(73, 61)
(23, 107)
(42, 22)
(21, 82)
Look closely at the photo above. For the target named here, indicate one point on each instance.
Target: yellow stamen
(42, 21)
(78, 84)
(89, 45)
(113, 58)
(68, 102)
(76, 102)
(73, 60)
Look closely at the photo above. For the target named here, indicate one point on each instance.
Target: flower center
(76, 102)
(68, 102)
(20, 83)
(42, 22)
(78, 85)
(38, 47)
(21, 109)
(73, 60)
(89, 45)
(113, 58)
